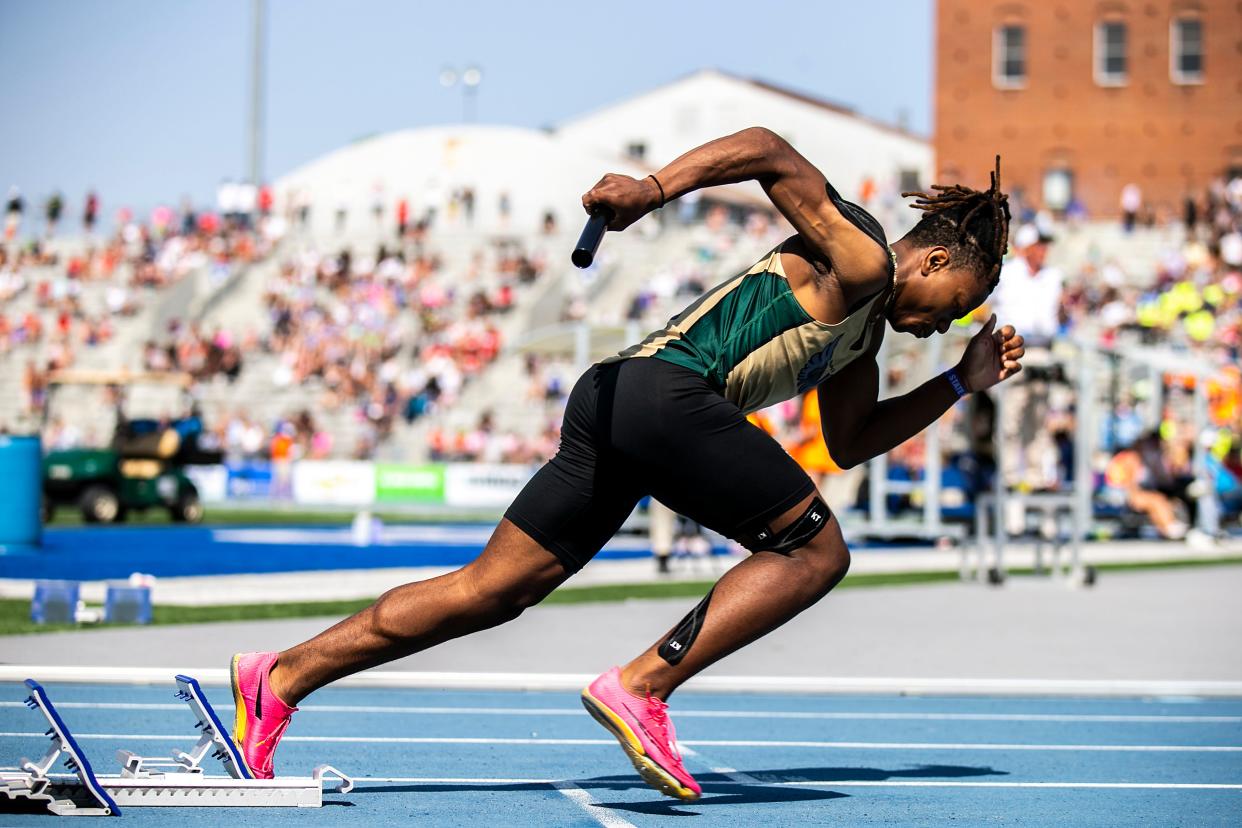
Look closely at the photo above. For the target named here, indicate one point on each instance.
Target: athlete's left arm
(858, 426)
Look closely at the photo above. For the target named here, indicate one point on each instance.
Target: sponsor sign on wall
(484, 484)
(212, 482)
(341, 482)
(405, 483)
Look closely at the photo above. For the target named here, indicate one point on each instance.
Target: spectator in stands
(504, 206)
(403, 216)
(1131, 204)
(281, 452)
(34, 389)
(13, 213)
(1029, 295)
(90, 211)
(1153, 487)
(55, 206)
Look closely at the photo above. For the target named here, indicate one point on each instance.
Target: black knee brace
(675, 647)
(793, 536)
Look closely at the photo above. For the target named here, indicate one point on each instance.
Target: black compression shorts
(644, 426)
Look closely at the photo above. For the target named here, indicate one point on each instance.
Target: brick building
(1081, 97)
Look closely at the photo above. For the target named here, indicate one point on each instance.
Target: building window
(908, 180)
(1186, 50)
(1058, 189)
(1009, 57)
(636, 150)
(1110, 53)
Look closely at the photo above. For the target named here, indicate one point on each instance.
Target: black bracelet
(660, 188)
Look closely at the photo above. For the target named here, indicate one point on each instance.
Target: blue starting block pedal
(64, 794)
(148, 781)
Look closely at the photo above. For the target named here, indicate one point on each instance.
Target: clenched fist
(627, 199)
(991, 356)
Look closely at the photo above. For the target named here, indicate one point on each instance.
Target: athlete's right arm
(796, 187)
(858, 425)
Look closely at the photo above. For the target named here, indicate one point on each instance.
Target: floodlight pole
(259, 9)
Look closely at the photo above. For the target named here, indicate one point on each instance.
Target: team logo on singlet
(816, 368)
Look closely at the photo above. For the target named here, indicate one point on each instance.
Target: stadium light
(469, 78)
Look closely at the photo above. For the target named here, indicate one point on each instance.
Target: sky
(148, 101)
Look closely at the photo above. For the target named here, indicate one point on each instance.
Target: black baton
(592, 234)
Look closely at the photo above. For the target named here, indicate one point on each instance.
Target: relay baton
(588, 242)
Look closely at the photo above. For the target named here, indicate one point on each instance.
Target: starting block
(64, 795)
(150, 781)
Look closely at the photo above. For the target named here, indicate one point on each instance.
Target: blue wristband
(956, 382)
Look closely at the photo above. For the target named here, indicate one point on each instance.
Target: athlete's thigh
(580, 498)
(701, 457)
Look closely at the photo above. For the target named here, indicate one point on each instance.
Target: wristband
(958, 387)
(660, 187)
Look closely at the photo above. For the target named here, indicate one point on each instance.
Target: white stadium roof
(538, 170)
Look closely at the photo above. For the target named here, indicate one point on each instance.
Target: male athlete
(667, 418)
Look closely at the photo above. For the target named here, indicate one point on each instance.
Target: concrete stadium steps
(1138, 253)
(239, 306)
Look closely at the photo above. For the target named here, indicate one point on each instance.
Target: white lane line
(698, 714)
(49, 674)
(754, 743)
(589, 804)
(911, 783)
(724, 770)
(830, 783)
(452, 780)
(962, 746)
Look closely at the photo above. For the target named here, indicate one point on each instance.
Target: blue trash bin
(21, 492)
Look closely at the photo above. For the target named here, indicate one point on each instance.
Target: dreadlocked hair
(973, 225)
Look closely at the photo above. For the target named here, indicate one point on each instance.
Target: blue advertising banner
(249, 479)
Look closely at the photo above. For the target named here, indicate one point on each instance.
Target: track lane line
(397, 679)
(591, 805)
(1102, 718)
(827, 783)
(711, 764)
(755, 743)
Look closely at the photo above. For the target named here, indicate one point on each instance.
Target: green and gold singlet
(752, 340)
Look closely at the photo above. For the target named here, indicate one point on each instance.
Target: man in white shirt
(1029, 294)
(1029, 298)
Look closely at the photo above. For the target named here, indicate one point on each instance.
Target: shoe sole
(652, 774)
(239, 714)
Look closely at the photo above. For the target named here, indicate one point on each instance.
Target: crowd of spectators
(394, 335)
(58, 297)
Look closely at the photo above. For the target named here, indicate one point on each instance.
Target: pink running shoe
(643, 728)
(261, 717)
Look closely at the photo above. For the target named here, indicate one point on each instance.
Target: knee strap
(675, 647)
(794, 536)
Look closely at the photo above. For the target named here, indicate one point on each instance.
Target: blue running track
(508, 758)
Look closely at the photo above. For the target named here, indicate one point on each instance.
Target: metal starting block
(65, 794)
(148, 781)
